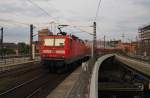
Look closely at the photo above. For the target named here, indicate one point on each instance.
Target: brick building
(125, 47)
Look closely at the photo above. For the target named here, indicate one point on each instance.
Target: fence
(138, 57)
(7, 60)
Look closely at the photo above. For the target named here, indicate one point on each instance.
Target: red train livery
(58, 51)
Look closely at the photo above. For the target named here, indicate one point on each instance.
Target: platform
(63, 89)
(141, 67)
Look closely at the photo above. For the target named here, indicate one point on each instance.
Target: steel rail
(21, 85)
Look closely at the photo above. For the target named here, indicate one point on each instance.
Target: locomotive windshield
(48, 42)
(59, 42)
(54, 42)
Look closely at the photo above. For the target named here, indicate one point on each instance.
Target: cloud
(24, 10)
(115, 16)
(123, 16)
(16, 34)
(144, 3)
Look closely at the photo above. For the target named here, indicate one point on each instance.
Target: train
(63, 51)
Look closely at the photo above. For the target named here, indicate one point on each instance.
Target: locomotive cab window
(59, 42)
(54, 42)
(49, 42)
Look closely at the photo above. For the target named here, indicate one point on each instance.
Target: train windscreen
(59, 42)
(49, 42)
(54, 42)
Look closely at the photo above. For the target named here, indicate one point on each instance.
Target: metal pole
(2, 46)
(2, 30)
(104, 42)
(94, 40)
(33, 51)
(31, 41)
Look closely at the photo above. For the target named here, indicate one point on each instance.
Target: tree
(6, 51)
(23, 48)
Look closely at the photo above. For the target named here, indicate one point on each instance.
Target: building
(125, 47)
(144, 44)
(9, 45)
(128, 47)
(115, 43)
(8, 48)
(44, 32)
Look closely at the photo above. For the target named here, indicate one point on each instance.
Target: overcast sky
(115, 18)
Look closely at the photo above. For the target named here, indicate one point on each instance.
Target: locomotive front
(53, 50)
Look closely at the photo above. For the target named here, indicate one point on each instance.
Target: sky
(115, 17)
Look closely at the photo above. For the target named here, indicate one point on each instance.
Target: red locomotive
(62, 50)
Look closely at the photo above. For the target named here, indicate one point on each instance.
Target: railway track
(23, 68)
(46, 88)
(18, 86)
(33, 82)
(29, 88)
(16, 77)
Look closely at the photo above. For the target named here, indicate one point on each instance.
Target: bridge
(118, 76)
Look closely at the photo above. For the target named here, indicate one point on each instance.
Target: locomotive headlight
(60, 51)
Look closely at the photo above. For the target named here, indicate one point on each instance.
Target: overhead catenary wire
(97, 11)
(13, 21)
(33, 3)
(18, 22)
(43, 10)
(82, 30)
(39, 7)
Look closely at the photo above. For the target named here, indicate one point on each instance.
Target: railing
(13, 59)
(138, 57)
(135, 65)
(94, 77)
